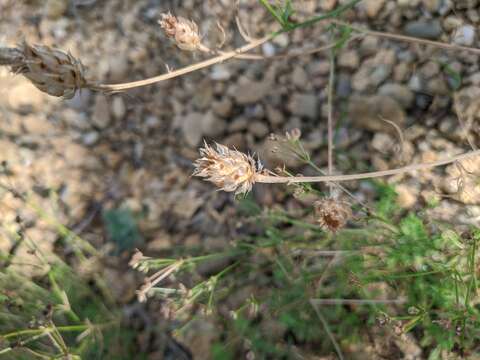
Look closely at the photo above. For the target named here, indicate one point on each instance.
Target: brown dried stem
(410, 39)
(269, 179)
(186, 70)
(331, 83)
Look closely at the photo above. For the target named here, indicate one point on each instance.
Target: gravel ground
(96, 152)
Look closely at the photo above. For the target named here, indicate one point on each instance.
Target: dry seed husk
(51, 70)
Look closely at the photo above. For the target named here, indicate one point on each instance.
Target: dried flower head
(332, 214)
(183, 31)
(230, 170)
(51, 70)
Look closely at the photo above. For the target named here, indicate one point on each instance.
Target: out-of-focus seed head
(332, 214)
(51, 70)
(183, 31)
(230, 170)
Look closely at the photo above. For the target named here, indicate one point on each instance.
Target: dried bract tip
(51, 70)
(332, 214)
(183, 31)
(230, 170)
(10, 56)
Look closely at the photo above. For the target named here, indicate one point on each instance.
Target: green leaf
(122, 228)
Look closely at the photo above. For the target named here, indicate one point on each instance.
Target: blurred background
(116, 169)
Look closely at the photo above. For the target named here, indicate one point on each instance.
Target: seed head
(183, 31)
(332, 214)
(51, 70)
(230, 170)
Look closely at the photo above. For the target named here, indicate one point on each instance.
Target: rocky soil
(396, 103)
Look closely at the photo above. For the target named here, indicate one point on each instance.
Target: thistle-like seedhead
(184, 32)
(332, 214)
(230, 170)
(51, 70)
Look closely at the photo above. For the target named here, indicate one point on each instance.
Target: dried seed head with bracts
(230, 170)
(332, 214)
(183, 31)
(51, 70)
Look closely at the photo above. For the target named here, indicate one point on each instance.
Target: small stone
(437, 86)
(430, 69)
(401, 72)
(416, 83)
(369, 46)
(90, 138)
(223, 107)
(238, 124)
(281, 40)
(25, 98)
(80, 100)
(202, 99)
(212, 125)
(275, 116)
(432, 5)
(373, 7)
(258, 129)
(344, 85)
(249, 92)
(383, 143)
(426, 29)
(304, 105)
(101, 112)
(117, 67)
(320, 67)
(407, 196)
(465, 35)
(368, 111)
(399, 92)
(78, 120)
(236, 141)
(328, 5)
(55, 8)
(268, 49)
(118, 108)
(192, 128)
(300, 77)
(349, 59)
(451, 23)
(220, 72)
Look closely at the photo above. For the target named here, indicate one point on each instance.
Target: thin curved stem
(268, 179)
(203, 64)
(410, 39)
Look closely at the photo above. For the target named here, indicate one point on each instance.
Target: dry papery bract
(182, 31)
(332, 214)
(230, 170)
(50, 70)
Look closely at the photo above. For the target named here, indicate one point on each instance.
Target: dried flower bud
(293, 135)
(230, 170)
(183, 31)
(51, 70)
(332, 214)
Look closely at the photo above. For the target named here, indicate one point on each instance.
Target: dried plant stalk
(261, 176)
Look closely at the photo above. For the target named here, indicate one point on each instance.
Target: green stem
(70, 328)
(272, 11)
(332, 14)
